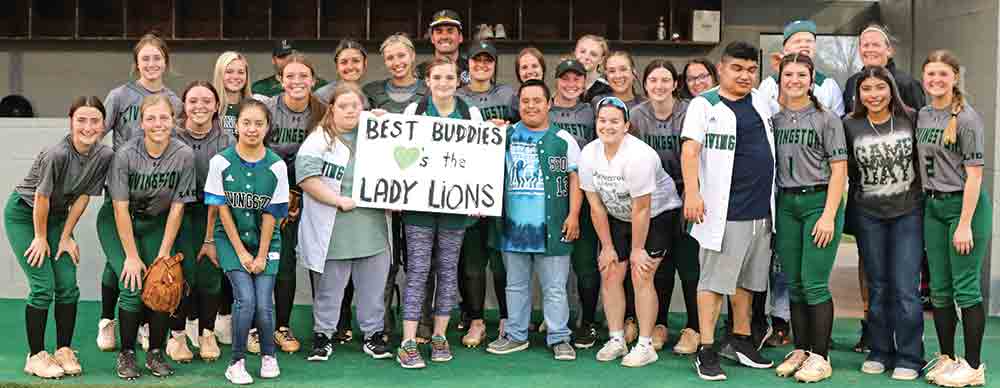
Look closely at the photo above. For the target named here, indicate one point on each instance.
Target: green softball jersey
(883, 179)
(806, 141)
(204, 149)
(270, 86)
(122, 106)
(63, 174)
(578, 121)
(494, 103)
(663, 135)
(942, 167)
(249, 189)
(149, 184)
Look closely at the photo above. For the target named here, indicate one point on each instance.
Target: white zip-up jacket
(712, 124)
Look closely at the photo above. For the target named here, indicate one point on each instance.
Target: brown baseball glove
(163, 285)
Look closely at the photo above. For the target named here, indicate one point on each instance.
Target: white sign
(429, 164)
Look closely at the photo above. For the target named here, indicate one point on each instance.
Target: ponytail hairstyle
(316, 107)
(666, 65)
(631, 65)
(896, 105)
(87, 102)
(601, 41)
(957, 97)
(220, 72)
(153, 40)
(182, 115)
(808, 63)
(350, 44)
(328, 125)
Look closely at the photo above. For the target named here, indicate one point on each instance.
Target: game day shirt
(122, 106)
(806, 141)
(578, 121)
(883, 179)
(63, 174)
(634, 171)
(204, 149)
(663, 135)
(942, 167)
(228, 116)
(151, 185)
(248, 189)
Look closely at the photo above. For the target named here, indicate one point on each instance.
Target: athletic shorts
(664, 230)
(744, 262)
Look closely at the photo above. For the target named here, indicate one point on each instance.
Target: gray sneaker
(440, 350)
(563, 351)
(504, 345)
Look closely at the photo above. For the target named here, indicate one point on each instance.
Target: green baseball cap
(570, 65)
(799, 26)
(482, 47)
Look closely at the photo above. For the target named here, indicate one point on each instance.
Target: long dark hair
(896, 105)
(808, 63)
(87, 102)
(250, 103)
(685, 91)
(182, 116)
(661, 64)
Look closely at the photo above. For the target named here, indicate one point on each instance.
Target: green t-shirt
(361, 232)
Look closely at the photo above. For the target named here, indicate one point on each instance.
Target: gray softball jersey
(204, 149)
(663, 135)
(122, 106)
(578, 121)
(63, 174)
(806, 141)
(151, 184)
(942, 167)
(494, 103)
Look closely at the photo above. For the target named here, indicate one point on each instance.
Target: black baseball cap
(446, 17)
(570, 65)
(483, 47)
(282, 47)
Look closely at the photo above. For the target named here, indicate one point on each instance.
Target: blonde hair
(957, 98)
(601, 41)
(154, 99)
(220, 71)
(397, 38)
(327, 124)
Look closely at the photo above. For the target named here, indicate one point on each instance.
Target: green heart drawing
(405, 157)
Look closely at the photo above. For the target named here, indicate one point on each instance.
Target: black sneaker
(759, 335)
(726, 348)
(376, 347)
(747, 354)
(126, 367)
(706, 363)
(157, 365)
(322, 348)
(585, 336)
(862, 345)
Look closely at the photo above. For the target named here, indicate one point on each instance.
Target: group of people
(626, 180)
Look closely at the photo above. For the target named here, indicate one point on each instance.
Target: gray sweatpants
(368, 274)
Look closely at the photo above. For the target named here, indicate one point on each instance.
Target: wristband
(209, 241)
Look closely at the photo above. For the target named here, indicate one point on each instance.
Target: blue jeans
(779, 293)
(892, 250)
(553, 272)
(252, 297)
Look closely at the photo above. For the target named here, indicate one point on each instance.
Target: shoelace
(939, 358)
(411, 350)
(813, 364)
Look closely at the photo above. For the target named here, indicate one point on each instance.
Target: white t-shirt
(634, 171)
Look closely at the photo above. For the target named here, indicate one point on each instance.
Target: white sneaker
(872, 367)
(962, 375)
(143, 337)
(905, 374)
(237, 374)
(611, 350)
(224, 329)
(269, 367)
(106, 340)
(641, 355)
(42, 365)
(191, 329)
(939, 365)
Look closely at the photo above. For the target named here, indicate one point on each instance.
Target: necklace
(892, 126)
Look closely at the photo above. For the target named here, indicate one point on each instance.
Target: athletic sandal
(816, 368)
(177, 348)
(937, 366)
(286, 341)
(793, 361)
(660, 335)
(208, 348)
(106, 340)
(476, 334)
(688, 344)
(42, 365)
(66, 359)
(963, 375)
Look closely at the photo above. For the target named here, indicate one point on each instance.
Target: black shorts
(664, 231)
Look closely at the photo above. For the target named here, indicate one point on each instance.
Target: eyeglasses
(699, 78)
